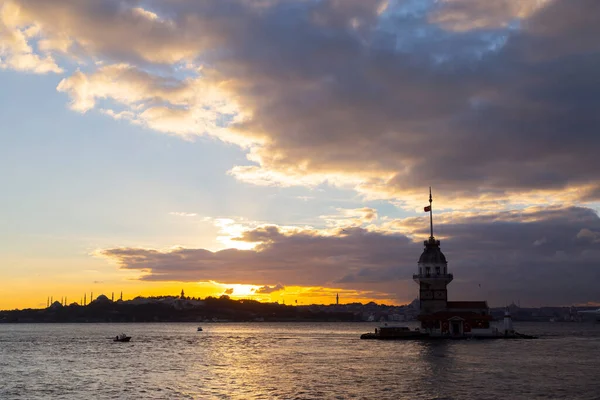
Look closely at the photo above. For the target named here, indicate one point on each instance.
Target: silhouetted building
(437, 314)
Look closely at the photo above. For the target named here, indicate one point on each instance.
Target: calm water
(291, 361)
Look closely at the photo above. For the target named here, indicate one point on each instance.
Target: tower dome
(432, 253)
(433, 277)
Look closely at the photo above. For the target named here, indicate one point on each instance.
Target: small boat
(524, 336)
(122, 338)
(199, 329)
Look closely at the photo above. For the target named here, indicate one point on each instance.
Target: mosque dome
(102, 299)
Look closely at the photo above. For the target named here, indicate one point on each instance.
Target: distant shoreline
(225, 310)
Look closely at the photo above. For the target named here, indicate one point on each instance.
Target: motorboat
(122, 338)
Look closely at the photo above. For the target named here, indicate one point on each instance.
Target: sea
(291, 361)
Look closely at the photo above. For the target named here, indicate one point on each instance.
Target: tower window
(437, 270)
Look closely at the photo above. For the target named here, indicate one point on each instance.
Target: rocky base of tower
(404, 333)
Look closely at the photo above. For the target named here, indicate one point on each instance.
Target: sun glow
(240, 290)
(230, 229)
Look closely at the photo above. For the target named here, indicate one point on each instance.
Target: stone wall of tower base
(432, 306)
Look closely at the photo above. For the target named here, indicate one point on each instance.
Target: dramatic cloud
(185, 107)
(540, 255)
(119, 30)
(15, 51)
(489, 101)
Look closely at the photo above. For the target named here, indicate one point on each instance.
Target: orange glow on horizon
(36, 296)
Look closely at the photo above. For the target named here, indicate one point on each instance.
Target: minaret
(182, 294)
(121, 298)
(337, 299)
(112, 297)
(508, 326)
(432, 277)
(85, 299)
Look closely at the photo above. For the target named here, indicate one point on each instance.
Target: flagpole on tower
(430, 214)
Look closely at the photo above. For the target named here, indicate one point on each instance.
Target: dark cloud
(550, 256)
(305, 258)
(229, 291)
(494, 109)
(270, 289)
(540, 256)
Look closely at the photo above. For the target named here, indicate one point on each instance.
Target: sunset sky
(282, 150)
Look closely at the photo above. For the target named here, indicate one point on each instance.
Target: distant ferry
(595, 313)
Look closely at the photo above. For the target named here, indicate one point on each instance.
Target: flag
(427, 209)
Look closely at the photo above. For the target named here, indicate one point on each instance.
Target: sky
(283, 150)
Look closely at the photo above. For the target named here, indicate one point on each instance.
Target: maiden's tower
(438, 315)
(440, 318)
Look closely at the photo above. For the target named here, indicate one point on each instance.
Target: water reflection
(436, 366)
(284, 361)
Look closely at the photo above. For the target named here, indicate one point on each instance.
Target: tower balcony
(441, 277)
